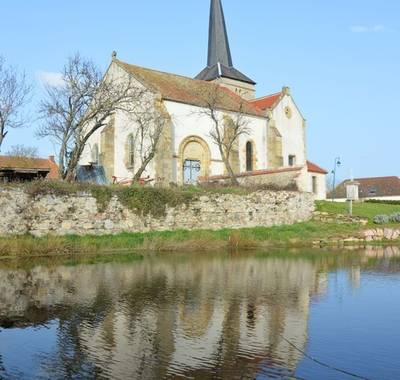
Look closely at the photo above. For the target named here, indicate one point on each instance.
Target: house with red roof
(273, 147)
(14, 168)
(372, 188)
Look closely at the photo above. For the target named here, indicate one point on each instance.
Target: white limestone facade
(292, 127)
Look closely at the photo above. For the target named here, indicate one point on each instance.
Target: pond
(262, 315)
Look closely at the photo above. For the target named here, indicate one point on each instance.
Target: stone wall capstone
(79, 214)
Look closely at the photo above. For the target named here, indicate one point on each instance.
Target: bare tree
(149, 120)
(85, 102)
(14, 94)
(226, 129)
(23, 151)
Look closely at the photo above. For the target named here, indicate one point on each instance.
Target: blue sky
(340, 58)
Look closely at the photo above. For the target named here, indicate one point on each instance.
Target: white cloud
(378, 28)
(367, 29)
(50, 79)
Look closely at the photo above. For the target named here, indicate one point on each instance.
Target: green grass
(364, 210)
(297, 235)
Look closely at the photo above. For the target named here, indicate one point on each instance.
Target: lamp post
(335, 167)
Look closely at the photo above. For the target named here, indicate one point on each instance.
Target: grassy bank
(364, 210)
(298, 235)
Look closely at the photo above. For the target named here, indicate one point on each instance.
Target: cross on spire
(220, 62)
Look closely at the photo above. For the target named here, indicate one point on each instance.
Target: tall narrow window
(314, 185)
(95, 154)
(249, 156)
(131, 150)
(292, 160)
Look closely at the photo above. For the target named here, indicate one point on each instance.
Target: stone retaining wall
(363, 238)
(327, 217)
(379, 234)
(80, 215)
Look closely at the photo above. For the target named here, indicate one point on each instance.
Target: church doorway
(191, 171)
(194, 160)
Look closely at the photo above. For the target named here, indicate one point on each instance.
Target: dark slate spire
(219, 54)
(218, 43)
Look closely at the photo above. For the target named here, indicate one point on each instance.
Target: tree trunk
(228, 167)
(2, 136)
(61, 163)
(142, 168)
(73, 163)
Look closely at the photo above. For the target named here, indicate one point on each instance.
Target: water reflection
(201, 317)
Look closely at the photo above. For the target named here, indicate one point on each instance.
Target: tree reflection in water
(203, 317)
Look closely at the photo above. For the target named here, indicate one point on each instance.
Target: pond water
(214, 316)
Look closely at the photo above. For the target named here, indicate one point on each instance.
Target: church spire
(218, 43)
(219, 64)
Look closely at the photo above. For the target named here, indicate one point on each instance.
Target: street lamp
(335, 167)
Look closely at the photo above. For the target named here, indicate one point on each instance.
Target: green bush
(395, 218)
(153, 200)
(381, 219)
(383, 202)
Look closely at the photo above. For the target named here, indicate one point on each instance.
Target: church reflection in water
(182, 317)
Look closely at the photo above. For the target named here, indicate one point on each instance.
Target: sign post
(352, 194)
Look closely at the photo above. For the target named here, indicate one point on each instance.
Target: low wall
(80, 215)
(281, 178)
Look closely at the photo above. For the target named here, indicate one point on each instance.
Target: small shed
(21, 169)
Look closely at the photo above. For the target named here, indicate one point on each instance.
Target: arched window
(95, 154)
(131, 150)
(249, 156)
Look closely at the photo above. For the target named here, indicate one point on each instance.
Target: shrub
(381, 219)
(395, 218)
(152, 200)
(382, 201)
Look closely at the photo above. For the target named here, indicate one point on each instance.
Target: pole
(351, 207)
(336, 164)
(334, 183)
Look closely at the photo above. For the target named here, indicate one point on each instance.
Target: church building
(273, 150)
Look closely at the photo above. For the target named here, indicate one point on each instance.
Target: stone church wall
(80, 214)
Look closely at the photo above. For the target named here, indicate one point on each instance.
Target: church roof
(219, 70)
(189, 91)
(219, 63)
(267, 102)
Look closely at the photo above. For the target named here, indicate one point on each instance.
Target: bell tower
(220, 67)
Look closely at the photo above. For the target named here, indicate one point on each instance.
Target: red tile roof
(25, 163)
(373, 187)
(189, 91)
(314, 168)
(267, 102)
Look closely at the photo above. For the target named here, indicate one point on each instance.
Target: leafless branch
(149, 121)
(14, 94)
(23, 151)
(227, 127)
(73, 112)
